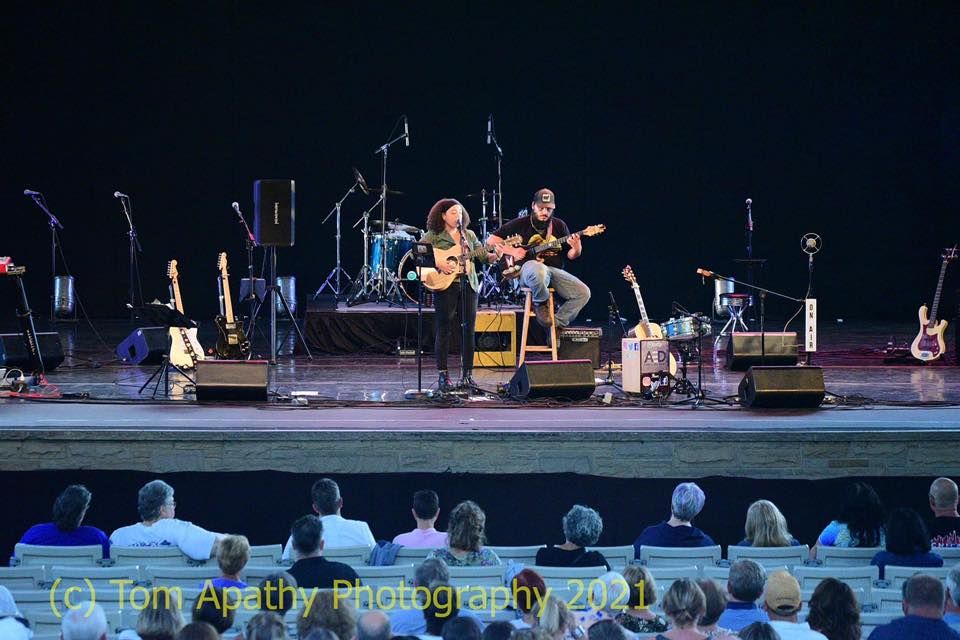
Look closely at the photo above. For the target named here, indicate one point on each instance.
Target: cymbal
(390, 192)
(396, 225)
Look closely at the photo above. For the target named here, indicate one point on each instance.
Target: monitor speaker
(145, 345)
(782, 388)
(273, 212)
(15, 354)
(743, 349)
(559, 379)
(232, 380)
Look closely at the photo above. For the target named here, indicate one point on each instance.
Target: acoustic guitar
(436, 280)
(232, 343)
(645, 329)
(185, 349)
(539, 248)
(929, 344)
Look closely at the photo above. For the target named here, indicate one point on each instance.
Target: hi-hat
(390, 192)
(396, 225)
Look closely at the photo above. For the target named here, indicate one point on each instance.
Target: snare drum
(685, 328)
(397, 243)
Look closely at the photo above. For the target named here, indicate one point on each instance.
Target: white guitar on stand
(185, 349)
(645, 330)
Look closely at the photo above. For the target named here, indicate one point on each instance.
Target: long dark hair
(906, 533)
(69, 507)
(435, 217)
(862, 512)
(834, 611)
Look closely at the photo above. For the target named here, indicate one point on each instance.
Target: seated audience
(159, 526)
(638, 617)
(217, 607)
(678, 531)
(782, 601)
(278, 592)
(198, 631)
(908, 543)
(759, 631)
(233, 553)
(716, 603)
(606, 630)
(554, 618)
(266, 625)
(15, 629)
(527, 587)
(8, 605)
(328, 612)
(683, 604)
(465, 539)
(312, 569)
(409, 620)
(86, 622)
(952, 608)
(923, 600)
(766, 527)
(581, 528)
(325, 634)
(834, 610)
(744, 587)
(372, 625)
(337, 530)
(442, 605)
(499, 630)
(859, 522)
(945, 528)
(461, 628)
(160, 619)
(606, 597)
(67, 529)
(426, 510)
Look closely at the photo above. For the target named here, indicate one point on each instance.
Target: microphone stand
(338, 269)
(464, 288)
(252, 297)
(384, 274)
(498, 194)
(614, 319)
(135, 248)
(54, 242)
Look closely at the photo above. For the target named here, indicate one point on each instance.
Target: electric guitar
(185, 349)
(232, 344)
(539, 248)
(929, 345)
(645, 329)
(436, 280)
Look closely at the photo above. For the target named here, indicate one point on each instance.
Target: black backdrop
(657, 119)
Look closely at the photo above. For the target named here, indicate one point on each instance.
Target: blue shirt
(914, 628)
(663, 535)
(409, 621)
(883, 558)
(737, 615)
(49, 535)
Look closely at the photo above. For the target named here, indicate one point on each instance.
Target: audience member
(952, 607)
(460, 628)
(908, 543)
(834, 610)
(337, 530)
(465, 538)
(66, 529)
(372, 625)
(923, 602)
(14, 629)
(86, 622)
(426, 510)
(766, 527)
(759, 631)
(782, 602)
(528, 588)
(744, 586)
(606, 597)
(326, 634)
(533, 633)
(442, 605)
(859, 523)
(160, 619)
(683, 604)
(554, 617)
(198, 631)
(678, 531)
(606, 630)
(637, 616)
(409, 620)
(159, 526)
(216, 607)
(499, 630)
(233, 553)
(329, 612)
(581, 528)
(716, 603)
(278, 592)
(266, 625)
(312, 569)
(946, 521)
(8, 605)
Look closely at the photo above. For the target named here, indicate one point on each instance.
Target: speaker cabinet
(15, 354)
(782, 387)
(495, 339)
(145, 345)
(273, 212)
(580, 343)
(743, 349)
(560, 379)
(232, 380)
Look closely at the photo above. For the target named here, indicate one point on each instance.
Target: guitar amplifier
(779, 349)
(580, 343)
(495, 339)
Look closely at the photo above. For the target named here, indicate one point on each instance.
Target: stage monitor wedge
(232, 380)
(782, 388)
(14, 353)
(556, 379)
(274, 205)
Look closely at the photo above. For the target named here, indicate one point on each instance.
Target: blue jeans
(538, 277)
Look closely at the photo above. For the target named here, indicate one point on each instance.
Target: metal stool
(735, 304)
(528, 313)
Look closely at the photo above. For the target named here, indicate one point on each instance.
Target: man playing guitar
(547, 270)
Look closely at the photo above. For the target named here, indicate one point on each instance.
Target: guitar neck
(936, 296)
(556, 243)
(644, 320)
(177, 302)
(227, 302)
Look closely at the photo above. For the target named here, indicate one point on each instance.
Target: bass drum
(407, 281)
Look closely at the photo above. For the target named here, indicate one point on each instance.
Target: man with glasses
(547, 271)
(160, 528)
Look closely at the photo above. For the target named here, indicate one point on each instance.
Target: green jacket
(443, 240)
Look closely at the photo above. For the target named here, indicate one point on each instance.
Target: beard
(539, 226)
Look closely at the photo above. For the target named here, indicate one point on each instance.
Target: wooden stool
(528, 313)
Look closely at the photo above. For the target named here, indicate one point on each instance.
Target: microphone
(749, 202)
(31, 193)
(460, 223)
(749, 215)
(236, 206)
(811, 243)
(489, 128)
(117, 194)
(361, 182)
(406, 131)
(705, 273)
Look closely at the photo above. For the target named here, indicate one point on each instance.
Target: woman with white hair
(581, 528)
(687, 501)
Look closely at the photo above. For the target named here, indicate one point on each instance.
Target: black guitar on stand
(232, 343)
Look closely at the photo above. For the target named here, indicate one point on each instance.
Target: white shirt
(796, 631)
(192, 540)
(339, 532)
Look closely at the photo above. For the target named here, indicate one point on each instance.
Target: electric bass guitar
(232, 344)
(539, 248)
(436, 280)
(185, 349)
(929, 345)
(645, 329)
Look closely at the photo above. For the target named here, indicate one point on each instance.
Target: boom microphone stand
(54, 224)
(333, 279)
(252, 297)
(135, 248)
(388, 292)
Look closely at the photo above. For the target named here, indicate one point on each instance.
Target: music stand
(422, 259)
(160, 315)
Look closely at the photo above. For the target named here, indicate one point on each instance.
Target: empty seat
(574, 578)
(265, 554)
(406, 555)
(34, 554)
(99, 578)
(666, 576)
(950, 555)
(476, 576)
(617, 557)
(887, 600)
(770, 556)
(679, 556)
(145, 556)
(386, 577)
(183, 577)
(862, 577)
(895, 576)
(353, 556)
(523, 555)
(14, 578)
(846, 556)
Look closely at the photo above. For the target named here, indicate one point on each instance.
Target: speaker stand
(162, 374)
(271, 294)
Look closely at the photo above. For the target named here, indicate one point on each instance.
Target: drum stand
(698, 395)
(333, 279)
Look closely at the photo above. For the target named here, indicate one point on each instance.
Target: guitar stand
(162, 374)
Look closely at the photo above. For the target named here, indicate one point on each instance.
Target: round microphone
(749, 202)
(235, 205)
(810, 243)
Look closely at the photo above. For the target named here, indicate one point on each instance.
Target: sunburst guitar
(436, 280)
(539, 248)
(929, 344)
(645, 329)
(185, 349)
